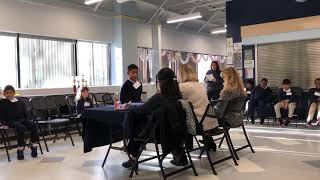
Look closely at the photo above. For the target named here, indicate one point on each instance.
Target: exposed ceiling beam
(191, 11)
(204, 5)
(183, 3)
(97, 6)
(150, 19)
(209, 20)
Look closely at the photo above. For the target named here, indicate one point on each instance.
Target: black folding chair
(73, 115)
(5, 140)
(235, 105)
(45, 113)
(107, 99)
(151, 135)
(98, 99)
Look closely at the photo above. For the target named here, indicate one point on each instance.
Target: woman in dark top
(214, 81)
(83, 100)
(169, 93)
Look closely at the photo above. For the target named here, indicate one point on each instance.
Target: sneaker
(34, 152)
(280, 121)
(287, 122)
(261, 121)
(20, 155)
(309, 124)
(128, 164)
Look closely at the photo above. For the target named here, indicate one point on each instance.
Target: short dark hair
(264, 79)
(132, 66)
(286, 81)
(8, 88)
(249, 81)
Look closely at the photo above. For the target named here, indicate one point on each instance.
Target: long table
(103, 126)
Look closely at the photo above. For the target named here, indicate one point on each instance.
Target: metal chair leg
(110, 145)
(6, 135)
(210, 161)
(43, 138)
(234, 151)
(160, 160)
(191, 162)
(69, 134)
(5, 145)
(230, 149)
(245, 134)
(221, 141)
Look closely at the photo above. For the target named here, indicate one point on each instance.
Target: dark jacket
(313, 98)
(219, 80)
(171, 130)
(80, 105)
(282, 95)
(129, 93)
(11, 112)
(258, 93)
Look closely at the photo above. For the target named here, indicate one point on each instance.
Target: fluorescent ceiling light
(87, 2)
(187, 17)
(219, 30)
(123, 1)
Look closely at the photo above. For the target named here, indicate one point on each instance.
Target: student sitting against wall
(169, 92)
(314, 102)
(259, 97)
(13, 113)
(83, 100)
(249, 85)
(286, 102)
(131, 90)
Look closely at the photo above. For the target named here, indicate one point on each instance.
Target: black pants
(258, 105)
(21, 127)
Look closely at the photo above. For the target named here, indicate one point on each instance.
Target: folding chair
(45, 112)
(107, 99)
(5, 140)
(234, 106)
(98, 99)
(73, 115)
(150, 135)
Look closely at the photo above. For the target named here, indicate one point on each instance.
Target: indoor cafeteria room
(159, 89)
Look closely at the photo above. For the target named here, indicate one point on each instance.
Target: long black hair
(168, 84)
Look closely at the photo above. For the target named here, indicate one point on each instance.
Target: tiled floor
(292, 154)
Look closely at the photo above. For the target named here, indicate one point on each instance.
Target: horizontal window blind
(298, 61)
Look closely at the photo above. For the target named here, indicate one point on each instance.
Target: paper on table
(136, 85)
(210, 77)
(317, 93)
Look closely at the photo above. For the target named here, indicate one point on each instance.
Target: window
(203, 66)
(8, 61)
(46, 63)
(145, 65)
(93, 62)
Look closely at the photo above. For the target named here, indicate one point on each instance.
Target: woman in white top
(195, 92)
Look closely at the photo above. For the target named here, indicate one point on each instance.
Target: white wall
(193, 43)
(36, 19)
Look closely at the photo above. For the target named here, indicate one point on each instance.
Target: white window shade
(46, 63)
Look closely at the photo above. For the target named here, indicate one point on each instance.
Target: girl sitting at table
(83, 100)
(169, 92)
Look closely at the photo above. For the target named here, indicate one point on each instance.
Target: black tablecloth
(99, 122)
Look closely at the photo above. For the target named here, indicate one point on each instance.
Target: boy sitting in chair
(13, 113)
